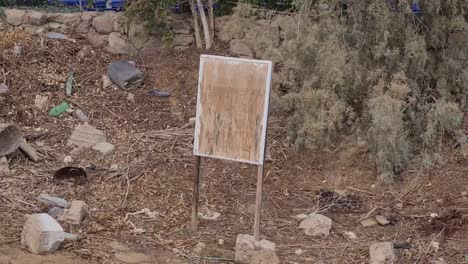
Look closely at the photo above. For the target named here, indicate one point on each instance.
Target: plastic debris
(124, 74)
(59, 109)
(158, 93)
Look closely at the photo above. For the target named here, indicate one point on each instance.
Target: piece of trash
(124, 74)
(53, 201)
(60, 36)
(69, 84)
(207, 214)
(29, 151)
(78, 175)
(158, 93)
(4, 88)
(80, 115)
(10, 139)
(59, 109)
(86, 136)
(42, 233)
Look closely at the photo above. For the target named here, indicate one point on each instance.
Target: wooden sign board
(232, 108)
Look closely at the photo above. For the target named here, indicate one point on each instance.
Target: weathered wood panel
(232, 108)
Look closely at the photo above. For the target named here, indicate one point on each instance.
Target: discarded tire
(10, 138)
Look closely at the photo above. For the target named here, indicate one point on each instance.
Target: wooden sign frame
(260, 153)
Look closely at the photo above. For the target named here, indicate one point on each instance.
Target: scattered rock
(4, 169)
(239, 48)
(369, 222)
(298, 252)
(35, 18)
(86, 136)
(53, 201)
(56, 212)
(17, 50)
(248, 251)
(71, 20)
(40, 103)
(434, 245)
(350, 235)
(104, 23)
(382, 253)
(96, 39)
(181, 27)
(138, 34)
(80, 115)
(41, 234)
(183, 40)
(106, 82)
(199, 247)
(382, 220)
(105, 148)
(76, 213)
(118, 45)
(316, 225)
(117, 246)
(133, 258)
(68, 160)
(85, 24)
(14, 17)
(131, 97)
(4, 88)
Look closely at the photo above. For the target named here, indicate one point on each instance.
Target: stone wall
(107, 30)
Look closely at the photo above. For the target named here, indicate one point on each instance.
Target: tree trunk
(206, 30)
(211, 18)
(196, 26)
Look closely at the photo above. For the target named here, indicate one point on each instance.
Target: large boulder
(71, 20)
(96, 39)
(85, 24)
(117, 44)
(35, 18)
(239, 48)
(104, 23)
(137, 34)
(14, 17)
(183, 40)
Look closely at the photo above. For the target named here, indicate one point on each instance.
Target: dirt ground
(155, 170)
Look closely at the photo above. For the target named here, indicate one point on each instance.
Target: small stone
(207, 214)
(433, 215)
(248, 251)
(106, 82)
(4, 88)
(133, 258)
(40, 103)
(199, 247)
(41, 233)
(84, 52)
(434, 246)
(4, 169)
(17, 50)
(464, 194)
(131, 97)
(68, 160)
(76, 213)
(369, 222)
(86, 136)
(382, 220)
(301, 216)
(316, 225)
(350, 235)
(221, 241)
(53, 201)
(80, 115)
(382, 253)
(298, 252)
(105, 148)
(399, 205)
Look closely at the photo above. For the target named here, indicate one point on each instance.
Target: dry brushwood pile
(139, 196)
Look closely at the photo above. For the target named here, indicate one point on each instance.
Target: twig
(128, 170)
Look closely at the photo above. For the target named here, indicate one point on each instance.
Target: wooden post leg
(196, 186)
(258, 203)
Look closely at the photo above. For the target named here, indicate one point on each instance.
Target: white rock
(68, 160)
(382, 220)
(76, 213)
(131, 97)
(248, 251)
(4, 88)
(41, 102)
(434, 245)
(105, 148)
(4, 169)
(298, 252)
(53, 201)
(350, 235)
(369, 222)
(41, 233)
(316, 225)
(199, 247)
(382, 253)
(86, 136)
(301, 216)
(106, 82)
